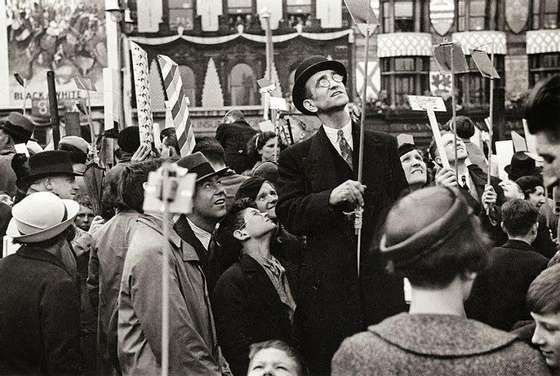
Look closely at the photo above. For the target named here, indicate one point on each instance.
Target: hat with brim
(41, 216)
(18, 126)
(198, 164)
(521, 165)
(307, 69)
(50, 163)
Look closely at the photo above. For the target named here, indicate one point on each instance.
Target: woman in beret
(433, 238)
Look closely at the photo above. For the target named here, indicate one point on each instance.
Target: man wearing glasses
(318, 191)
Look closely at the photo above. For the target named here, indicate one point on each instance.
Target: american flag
(177, 103)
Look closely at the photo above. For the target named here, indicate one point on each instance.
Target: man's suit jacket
(334, 302)
(247, 310)
(498, 294)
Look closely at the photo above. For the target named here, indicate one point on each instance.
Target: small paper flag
(484, 64)
(83, 83)
(362, 14)
(448, 55)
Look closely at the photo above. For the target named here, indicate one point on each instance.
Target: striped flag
(177, 104)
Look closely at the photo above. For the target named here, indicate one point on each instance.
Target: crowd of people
(454, 276)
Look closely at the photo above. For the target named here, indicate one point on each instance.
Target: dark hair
(250, 188)
(282, 346)
(133, 177)
(529, 184)
(465, 127)
(543, 295)
(542, 107)
(233, 220)
(518, 216)
(256, 143)
(211, 149)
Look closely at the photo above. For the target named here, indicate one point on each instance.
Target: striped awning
(543, 41)
(404, 44)
(489, 41)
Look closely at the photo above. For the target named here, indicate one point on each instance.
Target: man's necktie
(345, 149)
(464, 183)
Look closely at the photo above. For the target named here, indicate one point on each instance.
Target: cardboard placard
(422, 103)
(266, 126)
(519, 143)
(278, 103)
(504, 152)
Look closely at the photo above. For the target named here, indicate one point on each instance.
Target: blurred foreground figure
(433, 238)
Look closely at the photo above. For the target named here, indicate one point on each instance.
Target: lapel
(324, 157)
(260, 284)
(185, 232)
(39, 254)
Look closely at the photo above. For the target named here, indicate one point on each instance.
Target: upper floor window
(189, 83)
(181, 13)
(471, 15)
(240, 12)
(546, 14)
(401, 76)
(473, 89)
(243, 85)
(398, 16)
(542, 66)
(299, 12)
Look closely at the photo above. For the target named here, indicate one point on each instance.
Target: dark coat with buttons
(334, 302)
(39, 316)
(247, 310)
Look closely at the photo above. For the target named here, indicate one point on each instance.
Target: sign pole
(491, 116)
(453, 111)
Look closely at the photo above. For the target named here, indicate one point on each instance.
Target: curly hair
(256, 143)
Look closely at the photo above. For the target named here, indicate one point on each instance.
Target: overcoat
(498, 294)
(193, 348)
(39, 315)
(430, 344)
(247, 310)
(334, 303)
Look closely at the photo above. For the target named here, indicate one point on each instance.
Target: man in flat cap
(15, 129)
(318, 187)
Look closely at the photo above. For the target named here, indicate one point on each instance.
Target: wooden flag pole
(358, 213)
(491, 116)
(165, 275)
(53, 106)
(454, 111)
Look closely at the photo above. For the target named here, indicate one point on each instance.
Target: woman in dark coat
(252, 300)
(433, 238)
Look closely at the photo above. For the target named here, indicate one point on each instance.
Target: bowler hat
(50, 163)
(308, 68)
(18, 126)
(129, 139)
(41, 216)
(198, 164)
(521, 165)
(421, 222)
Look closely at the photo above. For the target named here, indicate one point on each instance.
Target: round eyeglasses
(326, 82)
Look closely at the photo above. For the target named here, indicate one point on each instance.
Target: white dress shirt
(202, 235)
(332, 134)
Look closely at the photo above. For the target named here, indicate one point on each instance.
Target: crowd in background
(80, 283)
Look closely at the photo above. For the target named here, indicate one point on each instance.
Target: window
(242, 86)
(401, 76)
(181, 13)
(189, 83)
(240, 12)
(473, 89)
(546, 14)
(542, 66)
(299, 12)
(471, 15)
(398, 16)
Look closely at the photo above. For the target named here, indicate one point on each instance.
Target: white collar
(332, 135)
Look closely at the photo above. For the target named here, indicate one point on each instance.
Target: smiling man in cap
(317, 185)
(15, 129)
(39, 302)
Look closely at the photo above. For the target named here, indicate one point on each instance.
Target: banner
(143, 99)
(62, 36)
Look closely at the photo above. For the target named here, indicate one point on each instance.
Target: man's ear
(240, 235)
(468, 275)
(309, 105)
(437, 159)
(503, 227)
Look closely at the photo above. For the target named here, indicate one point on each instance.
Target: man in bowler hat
(318, 190)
